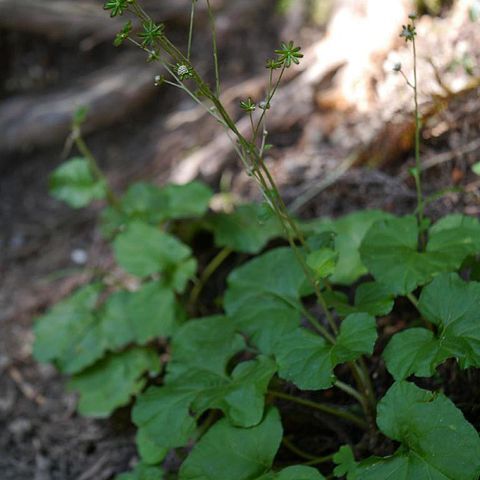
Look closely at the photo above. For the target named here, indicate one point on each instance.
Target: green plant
(221, 377)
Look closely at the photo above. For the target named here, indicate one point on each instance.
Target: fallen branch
(32, 121)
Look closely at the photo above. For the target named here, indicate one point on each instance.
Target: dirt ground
(41, 435)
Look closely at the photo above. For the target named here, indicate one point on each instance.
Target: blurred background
(342, 128)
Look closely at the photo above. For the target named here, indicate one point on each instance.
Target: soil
(41, 435)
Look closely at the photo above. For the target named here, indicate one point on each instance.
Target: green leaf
(68, 334)
(234, 453)
(152, 312)
(197, 380)
(263, 297)
(413, 351)
(350, 231)
(455, 237)
(144, 250)
(264, 319)
(144, 202)
(370, 297)
(151, 204)
(74, 183)
(150, 453)
(358, 334)
(374, 298)
(307, 360)
(163, 417)
(436, 441)
(110, 383)
(112, 221)
(244, 230)
(452, 305)
(322, 262)
(276, 272)
(206, 344)
(390, 251)
(304, 359)
(163, 413)
(241, 397)
(142, 472)
(346, 464)
(187, 201)
(138, 316)
(74, 333)
(80, 115)
(298, 472)
(476, 166)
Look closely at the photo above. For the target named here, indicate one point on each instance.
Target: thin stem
(286, 221)
(368, 400)
(350, 391)
(190, 29)
(316, 324)
(206, 275)
(321, 407)
(213, 28)
(270, 95)
(418, 165)
(409, 83)
(264, 139)
(179, 84)
(319, 460)
(88, 155)
(203, 428)
(251, 122)
(413, 300)
(297, 451)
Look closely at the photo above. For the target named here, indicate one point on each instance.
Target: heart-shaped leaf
(110, 383)
(307, 360)
(452, 305)
(263, 297)
(390, 250)
(74, 183)
(144, 250)
(350, 231)
(248, 229)
(197, 380)
(436, 441)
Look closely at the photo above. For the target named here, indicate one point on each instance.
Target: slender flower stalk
(155, 42)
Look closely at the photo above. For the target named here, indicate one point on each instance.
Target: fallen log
(60, 19)
(57, 19)
(32, 121)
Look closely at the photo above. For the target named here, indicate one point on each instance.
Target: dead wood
(79, 19)
(57, 19)
(33, 121)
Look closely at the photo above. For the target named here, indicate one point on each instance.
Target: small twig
(297, 451)
(319, 460)
(445, 157)
(311, 191)
(25, 387)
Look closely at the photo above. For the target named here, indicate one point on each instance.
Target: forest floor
(41, 435)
